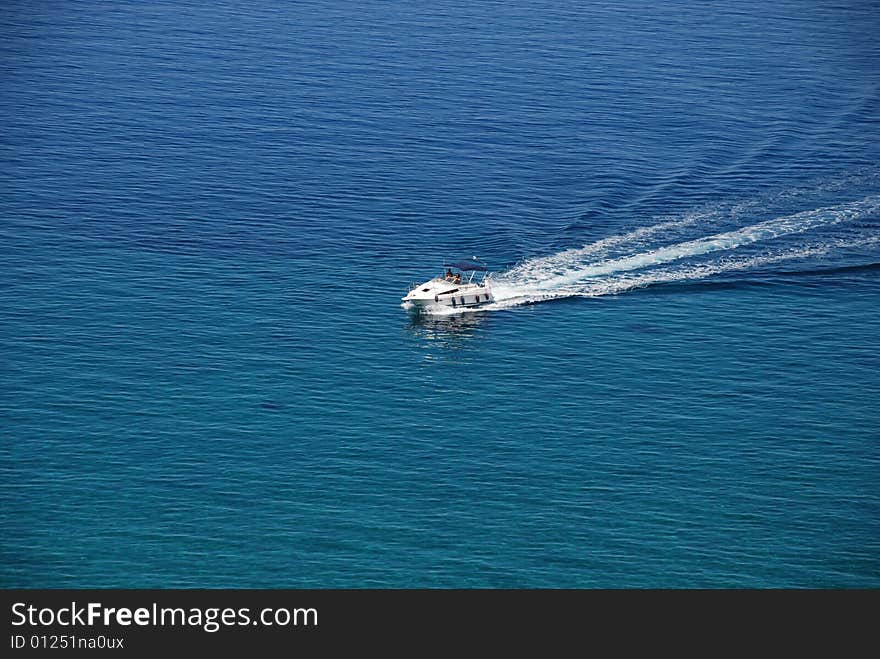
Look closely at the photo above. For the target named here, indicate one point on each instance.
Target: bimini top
(464, 266)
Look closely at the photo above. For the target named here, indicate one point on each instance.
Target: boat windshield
(463, 271)
(454, 277)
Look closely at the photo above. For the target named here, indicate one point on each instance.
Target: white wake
(640, 258)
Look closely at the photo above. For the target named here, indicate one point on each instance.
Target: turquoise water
(209, 214)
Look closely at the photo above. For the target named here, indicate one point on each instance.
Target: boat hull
(440, 293)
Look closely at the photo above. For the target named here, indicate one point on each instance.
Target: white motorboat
(459, 287)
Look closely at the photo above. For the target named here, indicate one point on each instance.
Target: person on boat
(448, 274)
(457, 277)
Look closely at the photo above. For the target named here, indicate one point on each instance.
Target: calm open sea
(210, 211)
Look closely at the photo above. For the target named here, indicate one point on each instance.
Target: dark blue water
(210, 211)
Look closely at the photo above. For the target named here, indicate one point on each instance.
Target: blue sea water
(210, 211)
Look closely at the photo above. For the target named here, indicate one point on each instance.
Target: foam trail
(768, 230)
(509, 297)
(576, 272)
(703, 270)
(542, 265)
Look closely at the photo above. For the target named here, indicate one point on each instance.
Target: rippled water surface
(209, 214)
